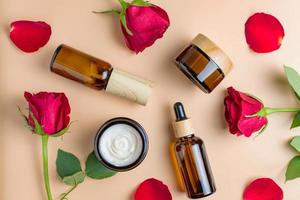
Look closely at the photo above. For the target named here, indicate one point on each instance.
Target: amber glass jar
(204, 63)
(98, 74)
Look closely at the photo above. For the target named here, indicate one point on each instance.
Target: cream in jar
(121, 144)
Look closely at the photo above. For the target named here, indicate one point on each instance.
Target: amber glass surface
(198, 67)
(81, 67)
(194, 167)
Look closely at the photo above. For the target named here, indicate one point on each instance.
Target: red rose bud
(240, 110)
(51, 110)
(29, 36)
(264, 33)
(146, 24)
(142, 23)
(152, 189)
(263, 189)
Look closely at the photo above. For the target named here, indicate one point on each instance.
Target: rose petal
(249, 125)
(263, 189)
(232, 114)
(264, 33)
(29, 36)
(152, 189)
(250, 108)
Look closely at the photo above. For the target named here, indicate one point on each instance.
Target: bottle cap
(182, 126)
(129, 86)
(214, 52)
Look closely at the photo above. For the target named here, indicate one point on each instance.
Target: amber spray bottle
(190, 159)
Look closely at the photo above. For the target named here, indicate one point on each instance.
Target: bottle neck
(186, 137)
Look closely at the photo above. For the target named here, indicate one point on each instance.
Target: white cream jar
(121, 144)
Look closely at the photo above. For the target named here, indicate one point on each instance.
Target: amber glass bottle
(204, 63)
(191, 157)
(98, 74)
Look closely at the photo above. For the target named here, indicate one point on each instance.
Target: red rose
(142, 23)
(146, 24)
(240, 109)
(51, 110)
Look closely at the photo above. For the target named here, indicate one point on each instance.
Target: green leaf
(124, 5)
(296, 143)
(140, 3)
(293, 78)
(74, 179)
(37, 127)
(25, 119)
(296, 121)
(293, 170)
(94, 169)
(67, 164)
(297, 96)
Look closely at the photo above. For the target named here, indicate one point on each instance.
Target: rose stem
(45, 166)
(275, 110)
(67, 193)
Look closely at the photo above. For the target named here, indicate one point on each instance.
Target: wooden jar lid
(214, 52)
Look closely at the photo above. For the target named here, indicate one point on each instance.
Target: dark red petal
(232, 114)
(263, 189)
(29, 36)
(264, 33)
(152, 189)
(234, 94)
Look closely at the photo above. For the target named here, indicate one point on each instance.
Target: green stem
(67, 193)
(45, 166)
(112, 11)
(267, 111)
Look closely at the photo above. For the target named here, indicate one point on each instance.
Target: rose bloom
(146, 23)
(240, 110)
(51, 110)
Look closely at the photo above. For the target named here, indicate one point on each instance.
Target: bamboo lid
(129, 86)
(183, 128)
(214, 52)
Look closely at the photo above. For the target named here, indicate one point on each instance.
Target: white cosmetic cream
(120, 145)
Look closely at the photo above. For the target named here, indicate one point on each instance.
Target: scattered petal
(264, 33)
(152, 189)
(29, 36)
(263, 189)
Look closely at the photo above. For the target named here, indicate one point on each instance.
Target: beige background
(235, 161)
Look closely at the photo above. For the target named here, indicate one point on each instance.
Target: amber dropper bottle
(191, 157)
